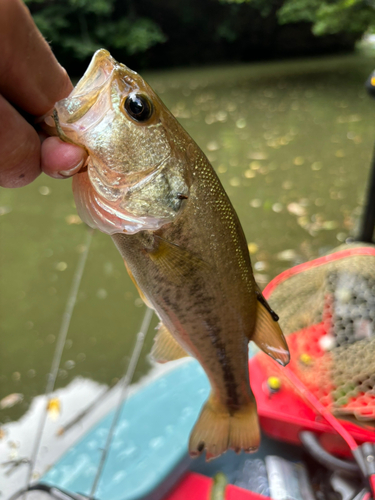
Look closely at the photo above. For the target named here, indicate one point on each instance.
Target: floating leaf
(296, 209)
(10, 400)
(289, 254)
(73, 219)
(44, 190)
(253, 248)
(5, 210)
(61, 266)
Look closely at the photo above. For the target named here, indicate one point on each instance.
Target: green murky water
(292, 144)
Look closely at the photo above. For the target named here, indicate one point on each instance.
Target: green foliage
(331, 17)
(294, 11)
(265, 7)
(135, 36)
(351, 16)
(327, 17)
(79, 27)
(197, 31)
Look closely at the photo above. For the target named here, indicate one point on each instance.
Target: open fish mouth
(90, 92)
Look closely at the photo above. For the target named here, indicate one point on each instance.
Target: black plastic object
(370, 84)
(314, 448)
(53, 492)
(365, 457)
(362, 494)
(368, 221)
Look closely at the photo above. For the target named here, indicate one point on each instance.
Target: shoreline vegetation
(149, 34)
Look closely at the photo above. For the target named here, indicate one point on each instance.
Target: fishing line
(322, 410)
(125, 384)
(61, 340)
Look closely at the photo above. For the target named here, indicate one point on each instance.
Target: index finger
(30, 76)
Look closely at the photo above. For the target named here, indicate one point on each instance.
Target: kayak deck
(149, 443)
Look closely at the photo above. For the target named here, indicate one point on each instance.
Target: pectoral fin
(165, 347)
(141, 294)
(269, 337)
(176, 264)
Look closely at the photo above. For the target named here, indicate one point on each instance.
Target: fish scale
(180, 238)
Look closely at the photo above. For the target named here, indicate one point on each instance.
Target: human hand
(31, 81)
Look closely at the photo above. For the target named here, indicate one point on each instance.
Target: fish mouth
(92, 93)
(121, 190)
(99, 192)
(97, 73)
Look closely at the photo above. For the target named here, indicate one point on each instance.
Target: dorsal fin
(165, 347)
(268, 335)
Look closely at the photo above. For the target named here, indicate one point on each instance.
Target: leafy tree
(198, 31)
(79, 27)
(265, 7)
(298, 10)
(327, 17)
(331, 17)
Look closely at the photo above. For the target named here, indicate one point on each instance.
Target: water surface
(291, 143)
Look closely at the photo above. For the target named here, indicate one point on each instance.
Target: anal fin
(268, 335)
(165, 347)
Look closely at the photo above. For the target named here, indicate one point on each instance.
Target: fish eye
(138, 107)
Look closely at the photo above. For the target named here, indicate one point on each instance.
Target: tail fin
(217, 430)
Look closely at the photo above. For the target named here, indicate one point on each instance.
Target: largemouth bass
(149, 186)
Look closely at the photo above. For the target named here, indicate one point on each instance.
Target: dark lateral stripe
(202, 305)
(232, 400)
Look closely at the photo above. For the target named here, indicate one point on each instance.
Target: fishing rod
(61, 341)
(127, 380)
(364, 454)
(60, 494)
(52, 376)
(368, 222)
(86, 411)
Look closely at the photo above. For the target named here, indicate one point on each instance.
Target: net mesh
(327, 312)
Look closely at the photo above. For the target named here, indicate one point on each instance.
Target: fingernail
(48, 120)
(72, 171)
